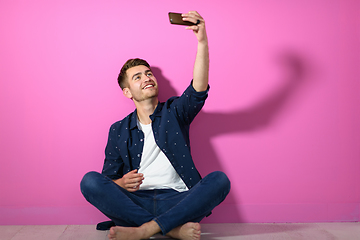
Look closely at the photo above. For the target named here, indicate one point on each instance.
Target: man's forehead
(136, 70)
(139, 68)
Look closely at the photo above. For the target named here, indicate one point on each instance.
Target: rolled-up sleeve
(189, 104)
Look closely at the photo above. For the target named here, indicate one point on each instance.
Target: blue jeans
(167, 207)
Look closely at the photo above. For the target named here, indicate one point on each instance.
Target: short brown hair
(129, 64)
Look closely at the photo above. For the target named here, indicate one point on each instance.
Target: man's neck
(145, 109)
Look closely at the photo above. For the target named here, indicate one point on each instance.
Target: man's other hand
(130, 181)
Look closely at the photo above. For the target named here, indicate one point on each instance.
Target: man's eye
(149, 74)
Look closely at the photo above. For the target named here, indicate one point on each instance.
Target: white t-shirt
(157, 169)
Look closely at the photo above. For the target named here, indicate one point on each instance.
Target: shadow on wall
(254, 118)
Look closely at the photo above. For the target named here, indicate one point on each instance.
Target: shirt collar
(133, 120)
(133, 116)
(157, 111)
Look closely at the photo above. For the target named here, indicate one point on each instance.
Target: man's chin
(147, 97)
(154, 94)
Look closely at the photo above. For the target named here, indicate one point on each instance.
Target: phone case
(176, 18)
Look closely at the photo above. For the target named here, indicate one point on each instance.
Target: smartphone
(176, 18)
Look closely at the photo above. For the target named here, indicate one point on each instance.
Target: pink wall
(282, 118)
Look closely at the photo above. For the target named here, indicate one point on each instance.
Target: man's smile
(149, 85)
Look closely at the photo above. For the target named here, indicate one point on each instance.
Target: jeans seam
(154, 200)
(196, 186)
(160, 226)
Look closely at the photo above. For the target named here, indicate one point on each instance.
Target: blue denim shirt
(170, 123)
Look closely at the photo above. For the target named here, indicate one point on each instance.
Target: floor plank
(8, 232)
(87, 232)
(246, 231)
(40, 232)
(347, 231)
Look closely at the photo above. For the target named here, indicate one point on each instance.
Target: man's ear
(127, 93)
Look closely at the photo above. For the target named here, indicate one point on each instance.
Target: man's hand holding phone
(194, 22)
(198, 26)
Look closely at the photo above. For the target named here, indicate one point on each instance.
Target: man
(149, 182)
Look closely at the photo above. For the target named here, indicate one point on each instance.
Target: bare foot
(188, 231)
(124, 233)
(145, 231)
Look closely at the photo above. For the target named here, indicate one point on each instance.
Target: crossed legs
(136, 220)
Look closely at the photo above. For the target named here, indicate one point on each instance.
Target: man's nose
(146, 78)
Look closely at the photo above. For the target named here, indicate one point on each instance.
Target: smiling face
(142, 84)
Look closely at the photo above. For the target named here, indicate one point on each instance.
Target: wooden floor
(227, 231)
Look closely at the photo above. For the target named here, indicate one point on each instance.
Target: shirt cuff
(202, 94)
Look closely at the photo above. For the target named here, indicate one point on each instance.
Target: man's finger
(194, 28)
(133, 180)
(133, 187)
(136, 179)
(134, 183)
(133, 174)
(192, 14)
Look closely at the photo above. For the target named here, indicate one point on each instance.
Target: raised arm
(201, 65)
